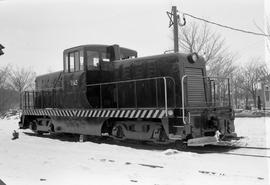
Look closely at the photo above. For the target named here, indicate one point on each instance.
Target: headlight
(192, 58)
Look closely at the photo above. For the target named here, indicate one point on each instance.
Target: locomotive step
(178, 126)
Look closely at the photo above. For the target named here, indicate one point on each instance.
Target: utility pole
(174, 20)
(175, 29)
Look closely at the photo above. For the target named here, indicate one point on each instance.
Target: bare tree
(250, 76)
(199, 38)
(8, 97)
(237, 92)
(3, 76)
(21, 79)
(222, 65)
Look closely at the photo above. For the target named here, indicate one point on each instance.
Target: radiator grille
(195, 87)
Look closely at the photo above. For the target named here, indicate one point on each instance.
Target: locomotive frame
(162, 98)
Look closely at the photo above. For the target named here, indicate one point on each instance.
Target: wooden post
(175, 29)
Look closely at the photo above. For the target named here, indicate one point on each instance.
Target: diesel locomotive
(106, 90)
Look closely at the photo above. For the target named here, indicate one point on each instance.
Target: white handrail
(165, 78)
(183, 93)
(165, 96)
(183, 99)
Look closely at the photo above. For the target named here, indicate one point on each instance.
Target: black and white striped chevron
(103, 113)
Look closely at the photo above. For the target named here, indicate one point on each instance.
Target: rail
(210, 101)
(163, 96)
(134, 82)
(183, 99)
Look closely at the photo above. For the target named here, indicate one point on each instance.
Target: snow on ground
(255, 130)
(47, 161)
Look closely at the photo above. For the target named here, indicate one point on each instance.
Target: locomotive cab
(89, 64)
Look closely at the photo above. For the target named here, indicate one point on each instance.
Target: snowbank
(252, 113)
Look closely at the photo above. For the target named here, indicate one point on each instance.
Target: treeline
(13, 81)
(247, 82)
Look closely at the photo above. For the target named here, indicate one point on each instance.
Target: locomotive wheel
(51, 129)
(163, 136)
(33, 127)
(159, 135)
(118, 132)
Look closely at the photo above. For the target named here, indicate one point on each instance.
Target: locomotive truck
(106, 90)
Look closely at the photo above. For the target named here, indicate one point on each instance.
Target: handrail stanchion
(183, 99)
(229, 92)
(100, 96)
(214, 93)
(33, 99)
(117, 102)
(42, 99)
(174, 96)
(135, 94)
(188, 117)
(25, 100)
(165, 94)
(156, 84)
(28, 100)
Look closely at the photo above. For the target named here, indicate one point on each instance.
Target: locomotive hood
(48, 81)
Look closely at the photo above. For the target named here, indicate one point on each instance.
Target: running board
(175, 137)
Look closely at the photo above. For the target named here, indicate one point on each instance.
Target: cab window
(81, 60)
(71, 62)
(76, 61)
(105, 57)
(66, 63)
(92, 59)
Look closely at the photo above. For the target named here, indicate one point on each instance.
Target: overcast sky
(35, 32)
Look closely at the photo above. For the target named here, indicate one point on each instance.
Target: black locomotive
(107, 90)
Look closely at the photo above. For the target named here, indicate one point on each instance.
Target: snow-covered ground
(44, 160)
(255, 130)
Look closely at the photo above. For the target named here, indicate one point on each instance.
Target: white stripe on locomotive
(126, 115)
(108, 113)
(90, 113)
(94, 113)
(138, 113)
(103, 113)
(156, 113)
(143, 114)
(112, 114)
(122, 113)
(162, 114)
(149, 114)
(117, 113)
(98, 114)
(132, 114)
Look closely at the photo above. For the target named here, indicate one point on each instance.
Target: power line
(224, 26)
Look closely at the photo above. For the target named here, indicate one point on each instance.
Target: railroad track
(247, 151)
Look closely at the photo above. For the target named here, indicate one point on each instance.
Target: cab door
(74, 80)
(99, 70)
